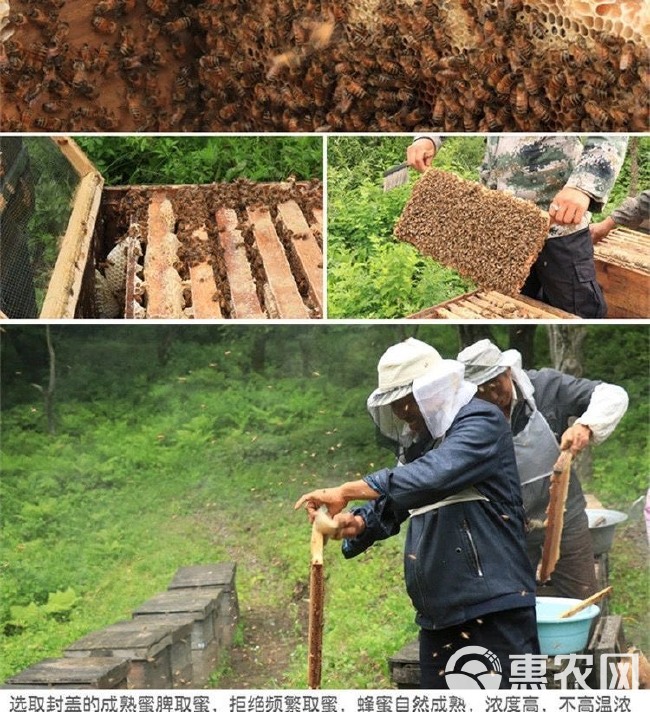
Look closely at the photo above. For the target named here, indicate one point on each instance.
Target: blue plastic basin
(563, 635)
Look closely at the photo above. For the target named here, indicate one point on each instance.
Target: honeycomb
(329, 65)
(489, 236)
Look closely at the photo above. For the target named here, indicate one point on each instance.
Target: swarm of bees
(328, 65)
(189, 213)
(489, 236)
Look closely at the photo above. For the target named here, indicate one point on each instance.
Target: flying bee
(104, 26)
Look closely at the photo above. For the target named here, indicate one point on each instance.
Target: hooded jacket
(466, 559)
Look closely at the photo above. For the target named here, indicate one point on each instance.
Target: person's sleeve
(606, 407)
(598, 167)
(633, 211)
(382, 521)
(437, 140)
(468, 455)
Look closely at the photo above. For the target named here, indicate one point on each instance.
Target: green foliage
(132, 160)
(370, 274)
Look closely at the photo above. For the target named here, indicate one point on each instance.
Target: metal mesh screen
(37, 187)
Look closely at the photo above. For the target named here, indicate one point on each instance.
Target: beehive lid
(198, 603)
(207, 575)
(49, 204)
(99, 672)
(136, 640)
(489, 236)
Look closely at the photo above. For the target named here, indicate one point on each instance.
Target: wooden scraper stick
(558, 489)
(322, 528)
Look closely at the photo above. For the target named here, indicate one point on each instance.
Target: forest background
(150, 447)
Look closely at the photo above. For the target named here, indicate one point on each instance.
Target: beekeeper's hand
(331, 497)
(568, 207)
(600, 230)
(349, 525)
(420, 154)
(575, 438)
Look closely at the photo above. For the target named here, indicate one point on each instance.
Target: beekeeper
(456, 483)
(539, 406)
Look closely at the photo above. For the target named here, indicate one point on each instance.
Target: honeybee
(106, 7)
(439, 111)
(628, 57)
(127, 41)
(178, 25)
(596, 113)
(539, 109)
(54, 107)
(17, 18)
(158, 7)
(39, 18)
(49, 123)
(104, 26)
(130, 63)
(355, 89)
(521, 99)
(504, 85)
(103, 56)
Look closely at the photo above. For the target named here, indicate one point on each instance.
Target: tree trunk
(470, 333)
(566, 348)
(48, 393)
(566, 353)
(522, 338)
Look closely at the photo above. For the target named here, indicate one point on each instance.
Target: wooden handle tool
(558, 488)
(323, 527)
(586, 603)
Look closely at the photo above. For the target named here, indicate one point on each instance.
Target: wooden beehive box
(218, 251)
(147, 647)
(492, 305)
(623, 271)
(203, 607)
(102, 673)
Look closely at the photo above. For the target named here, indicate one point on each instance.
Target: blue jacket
(467, 559)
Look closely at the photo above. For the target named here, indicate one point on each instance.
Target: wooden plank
(305, 247)
(626, 291)
(164, 288)
(74, 155)
(205, 294)
(282, 284)
(76, 249)
(243, 291)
